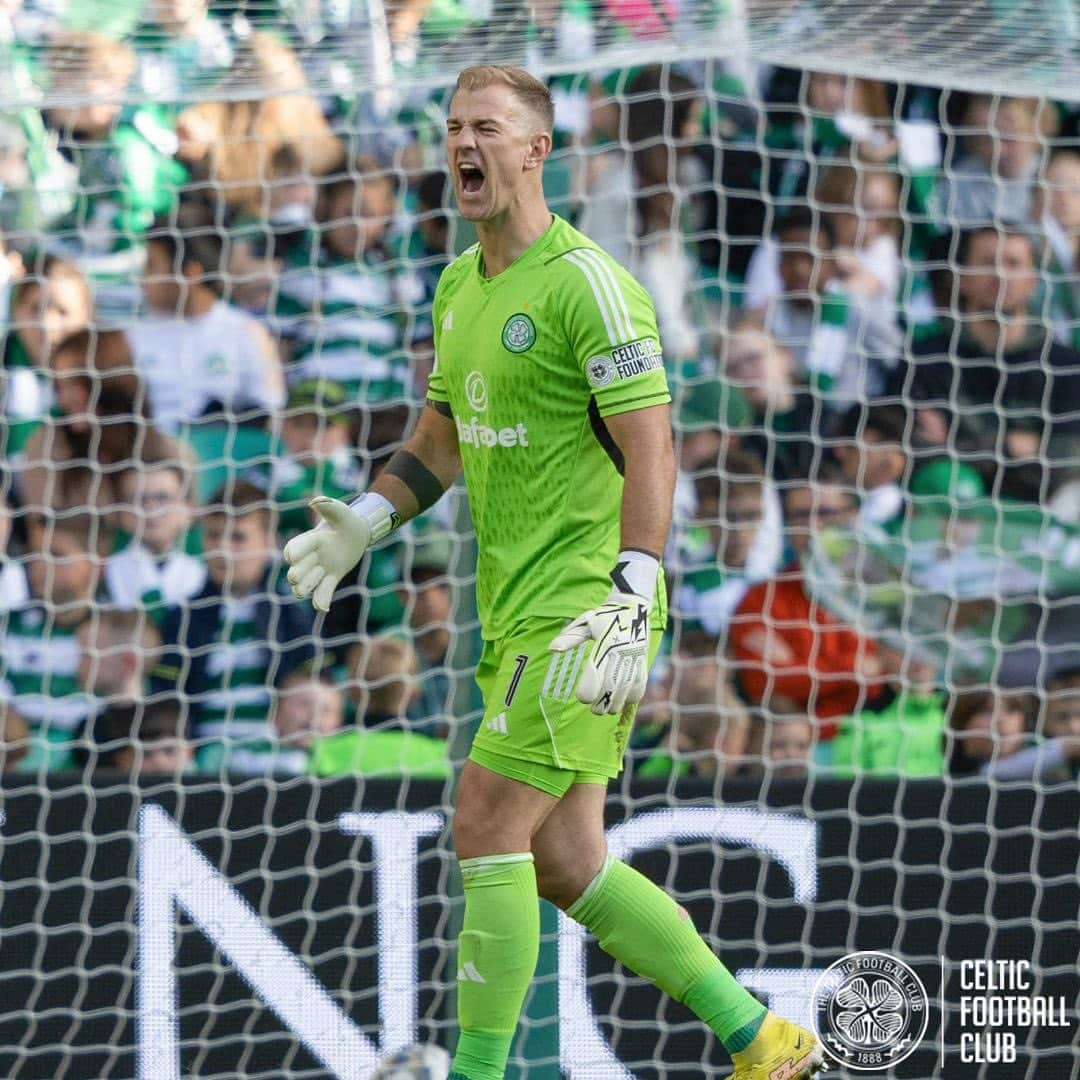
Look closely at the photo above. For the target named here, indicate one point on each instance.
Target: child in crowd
(153, 571)
(787, 746)
(350, 311)
(986, 728)
(709, 727)
(47, 305)
(307, 709)
(198, 355)
(115, 649)
(238, 638)
(44, 602)
(148, 739)
(382, 681)
(14, 738)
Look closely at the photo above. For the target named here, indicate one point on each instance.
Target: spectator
(235, 641)
(350, 312)
(265, 104)
(115, 651)
(640, 185)
(872, 446)
(986, 727)
(318, 457)
(842, 350)
(147, 739)
(709, 728)
(154, 572)
(1058, 210)
(782, 412)
(182, 50)
(730, 511)
(431, 255)
(382, 674)
(427, 598)
(996, 353)
(1060, 757)
(126, 171)
(198, 355)
(787, 746)
(307, 709)
(905, 735)
(14, 738)
(47, 305)
(75, 462)
(788, 647)
(993, 181)
(44, 602)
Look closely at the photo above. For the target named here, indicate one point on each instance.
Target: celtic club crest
(870, 1011)
(519, 333)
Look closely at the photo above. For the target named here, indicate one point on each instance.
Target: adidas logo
(498, 724)
(468, 973)
(448, 320)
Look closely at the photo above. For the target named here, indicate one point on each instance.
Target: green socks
(497, 953)
(644, 929)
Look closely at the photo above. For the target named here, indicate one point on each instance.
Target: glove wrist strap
(635, 572)
(378, 512)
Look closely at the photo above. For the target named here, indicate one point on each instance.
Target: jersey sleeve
(436, 387)
(610, 324)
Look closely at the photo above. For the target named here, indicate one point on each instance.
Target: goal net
(224, 828)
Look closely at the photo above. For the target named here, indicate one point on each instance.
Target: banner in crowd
(302, 928)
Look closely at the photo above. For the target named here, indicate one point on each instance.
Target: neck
(504, 237)
(199, 302)
(994, 333)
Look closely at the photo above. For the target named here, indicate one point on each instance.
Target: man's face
(807, 510)
(158, 512)
(359, 216)
(160, 283)
(999, 275)
(237, 550)
(804, 264)
(1063, 191)
(309, 437)
(739, 520)
(492, 142)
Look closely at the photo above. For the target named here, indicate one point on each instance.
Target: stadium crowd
(217, 259)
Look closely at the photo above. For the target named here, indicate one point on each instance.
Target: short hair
(734, 468)
(827, 473)
(192, 234)
(238, 499)
(383, 668)
(143, 722)
(889, 422)
(1005, 230)
(45, 268)
(353, 173)
(804, 219)
(104, 360)
(968, 703)
(528, 89)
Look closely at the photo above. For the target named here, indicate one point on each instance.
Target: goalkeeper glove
(617, 672)
(319, 558)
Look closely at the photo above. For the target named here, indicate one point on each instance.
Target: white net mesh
(223, 838)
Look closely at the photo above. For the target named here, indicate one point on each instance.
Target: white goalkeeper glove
(319, 558)
(617, 672)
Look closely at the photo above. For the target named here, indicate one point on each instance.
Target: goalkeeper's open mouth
(471, 178)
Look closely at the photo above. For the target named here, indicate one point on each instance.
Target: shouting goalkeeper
(549, 392)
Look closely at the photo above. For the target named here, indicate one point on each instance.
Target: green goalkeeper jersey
(529, 363)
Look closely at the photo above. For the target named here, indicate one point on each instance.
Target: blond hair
(528, 89)
(382, 674)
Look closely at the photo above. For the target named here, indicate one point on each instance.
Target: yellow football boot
(780, 1051)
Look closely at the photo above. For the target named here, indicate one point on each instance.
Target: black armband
(442, 408)
(417, 477)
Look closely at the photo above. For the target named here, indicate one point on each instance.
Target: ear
(538, 151)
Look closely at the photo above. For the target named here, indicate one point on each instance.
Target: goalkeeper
(549, 392)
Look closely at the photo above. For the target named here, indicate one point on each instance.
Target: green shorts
(534, 728)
